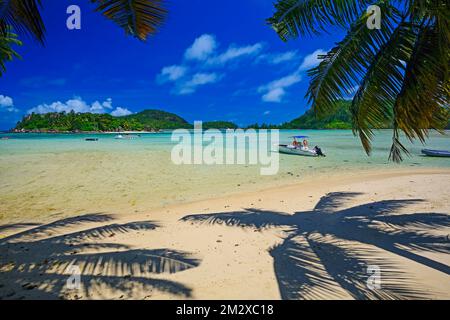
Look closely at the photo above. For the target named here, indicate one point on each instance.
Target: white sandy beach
(310, 240)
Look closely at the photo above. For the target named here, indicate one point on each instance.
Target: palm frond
(300, 17)
(421, 104)
(139, 18)
(374, 102)
(23, 16)
(7, 53)
(343, 66)
(397, 148)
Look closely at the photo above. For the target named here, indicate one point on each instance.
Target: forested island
(156, 120)
(147, 120)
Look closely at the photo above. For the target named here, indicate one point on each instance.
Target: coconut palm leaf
(301, 17)
(342, 68)
(23, 16)
(139, 18)
(7, 53)
(373, 103)
(424, 94)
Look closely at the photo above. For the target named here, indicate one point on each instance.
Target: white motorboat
(126, 136)
(300, 150)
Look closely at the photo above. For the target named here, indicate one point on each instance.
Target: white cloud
(7, 104)
(199, 59)
(275, 90)
(120, 112)
(266, 113)
(98, 107)
(107, 103)
(198, 79)
(286, 81)
(203, 56)
(6, 101)
(171, 73)
(277, 58)
(202, 48)
(234, 52)
(312, 60)
(77, 105)
(274, 95)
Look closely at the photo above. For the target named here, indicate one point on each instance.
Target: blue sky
(212, 60)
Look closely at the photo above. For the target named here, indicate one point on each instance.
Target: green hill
(148, 120)
(157, 119)
(340, 118)
(219, 125)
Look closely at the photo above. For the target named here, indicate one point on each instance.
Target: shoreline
(311, 184)
(241, 246)
(84, 132)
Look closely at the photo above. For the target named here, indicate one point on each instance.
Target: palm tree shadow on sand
(35, 262)
(328, 250)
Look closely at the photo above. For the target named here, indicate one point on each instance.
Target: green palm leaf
(7, 53)
(23, 16)
(139, 18)
(343, 66)
(421, 105)
(300, 17)
(374, 102)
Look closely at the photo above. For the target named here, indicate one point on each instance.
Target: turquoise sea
(341, 146)
(62, 174)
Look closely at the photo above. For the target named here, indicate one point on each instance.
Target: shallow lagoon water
(48, 175)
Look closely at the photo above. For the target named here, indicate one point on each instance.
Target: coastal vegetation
(147, 120)
(152, 120)
(339, 117)
(399, 69)
(219, 125)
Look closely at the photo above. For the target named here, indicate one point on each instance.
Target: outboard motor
(319, 151)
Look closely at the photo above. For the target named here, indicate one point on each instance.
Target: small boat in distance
(91, 139)
(300, 149)
(126, 136)
(436, 153)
